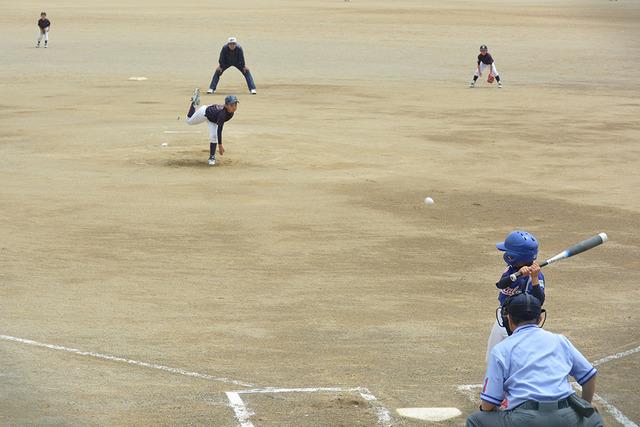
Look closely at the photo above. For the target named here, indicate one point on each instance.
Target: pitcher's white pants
(483, 67)
(199, 117)
(498, 333)
(44, 33)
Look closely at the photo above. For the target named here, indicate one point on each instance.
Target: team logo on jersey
(510, 291)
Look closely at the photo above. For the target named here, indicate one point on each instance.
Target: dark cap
(231, 99)
(524, 306)
(484, 47)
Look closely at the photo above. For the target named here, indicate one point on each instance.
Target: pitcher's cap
(233, 40)
(231, 99)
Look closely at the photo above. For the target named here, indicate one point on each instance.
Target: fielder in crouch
(215, 116)
(232, 55)
(485, 60)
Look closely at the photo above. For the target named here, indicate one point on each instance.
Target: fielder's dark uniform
(232, 58)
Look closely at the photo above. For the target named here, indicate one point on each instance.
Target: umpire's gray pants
(565, 417)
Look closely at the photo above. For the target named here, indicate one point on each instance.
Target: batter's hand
(532, 271)
(221, 149)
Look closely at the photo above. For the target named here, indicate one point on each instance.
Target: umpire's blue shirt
(533, 364)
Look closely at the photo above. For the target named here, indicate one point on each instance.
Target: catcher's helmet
(520, 248)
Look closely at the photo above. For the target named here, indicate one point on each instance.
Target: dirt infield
(306, 258)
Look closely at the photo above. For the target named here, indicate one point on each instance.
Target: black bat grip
(505, 281)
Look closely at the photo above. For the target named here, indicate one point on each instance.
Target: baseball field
(303, 281)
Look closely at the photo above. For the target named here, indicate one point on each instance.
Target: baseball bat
(576, 249)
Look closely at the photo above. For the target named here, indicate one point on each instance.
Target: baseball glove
(490, 78)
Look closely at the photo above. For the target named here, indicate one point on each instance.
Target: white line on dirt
(243, 413)
(295, 390)
(384, 416)
(239, 408)
(615, 412)
(123, 360)
(616, 356)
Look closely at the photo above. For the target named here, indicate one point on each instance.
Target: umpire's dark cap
(524, 306)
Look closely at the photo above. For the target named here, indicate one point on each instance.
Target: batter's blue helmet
(520, 248)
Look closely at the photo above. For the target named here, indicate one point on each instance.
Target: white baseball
(428, 201)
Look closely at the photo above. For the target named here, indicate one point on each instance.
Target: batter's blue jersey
(523, 284)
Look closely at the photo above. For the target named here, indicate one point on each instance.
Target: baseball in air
(428, 201)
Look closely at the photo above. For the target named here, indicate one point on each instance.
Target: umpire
(232, 55)
(529, 369)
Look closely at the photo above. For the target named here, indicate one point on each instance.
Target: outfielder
(485, 60)
(520, 252)
(43, 25)
(232, 55)
(215, 116)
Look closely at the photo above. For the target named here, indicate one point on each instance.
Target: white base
(429, 414)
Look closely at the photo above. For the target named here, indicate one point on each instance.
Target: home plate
(429, 414)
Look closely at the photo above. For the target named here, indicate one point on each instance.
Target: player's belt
(532, 405)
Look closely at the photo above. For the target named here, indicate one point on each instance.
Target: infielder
(485, 60)
(520, 252)
(43, 24)
(232, 55)
(215, 116)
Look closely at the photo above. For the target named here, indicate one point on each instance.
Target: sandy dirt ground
(307, 257)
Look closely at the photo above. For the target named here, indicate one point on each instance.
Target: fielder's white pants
(498, 333)
(44, 33)
(483, 67)
(199, 117)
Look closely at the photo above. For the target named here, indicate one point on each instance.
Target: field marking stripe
(384, 416)
(239, 408)
(615, 412)
(295, 390)
(616, 356)
(178, 371)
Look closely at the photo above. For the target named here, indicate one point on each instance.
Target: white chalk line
(243, 413)
(111, 358)
(615, 412)
(616, 356)
(240, 409)
(237, 404)
(468, 390)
